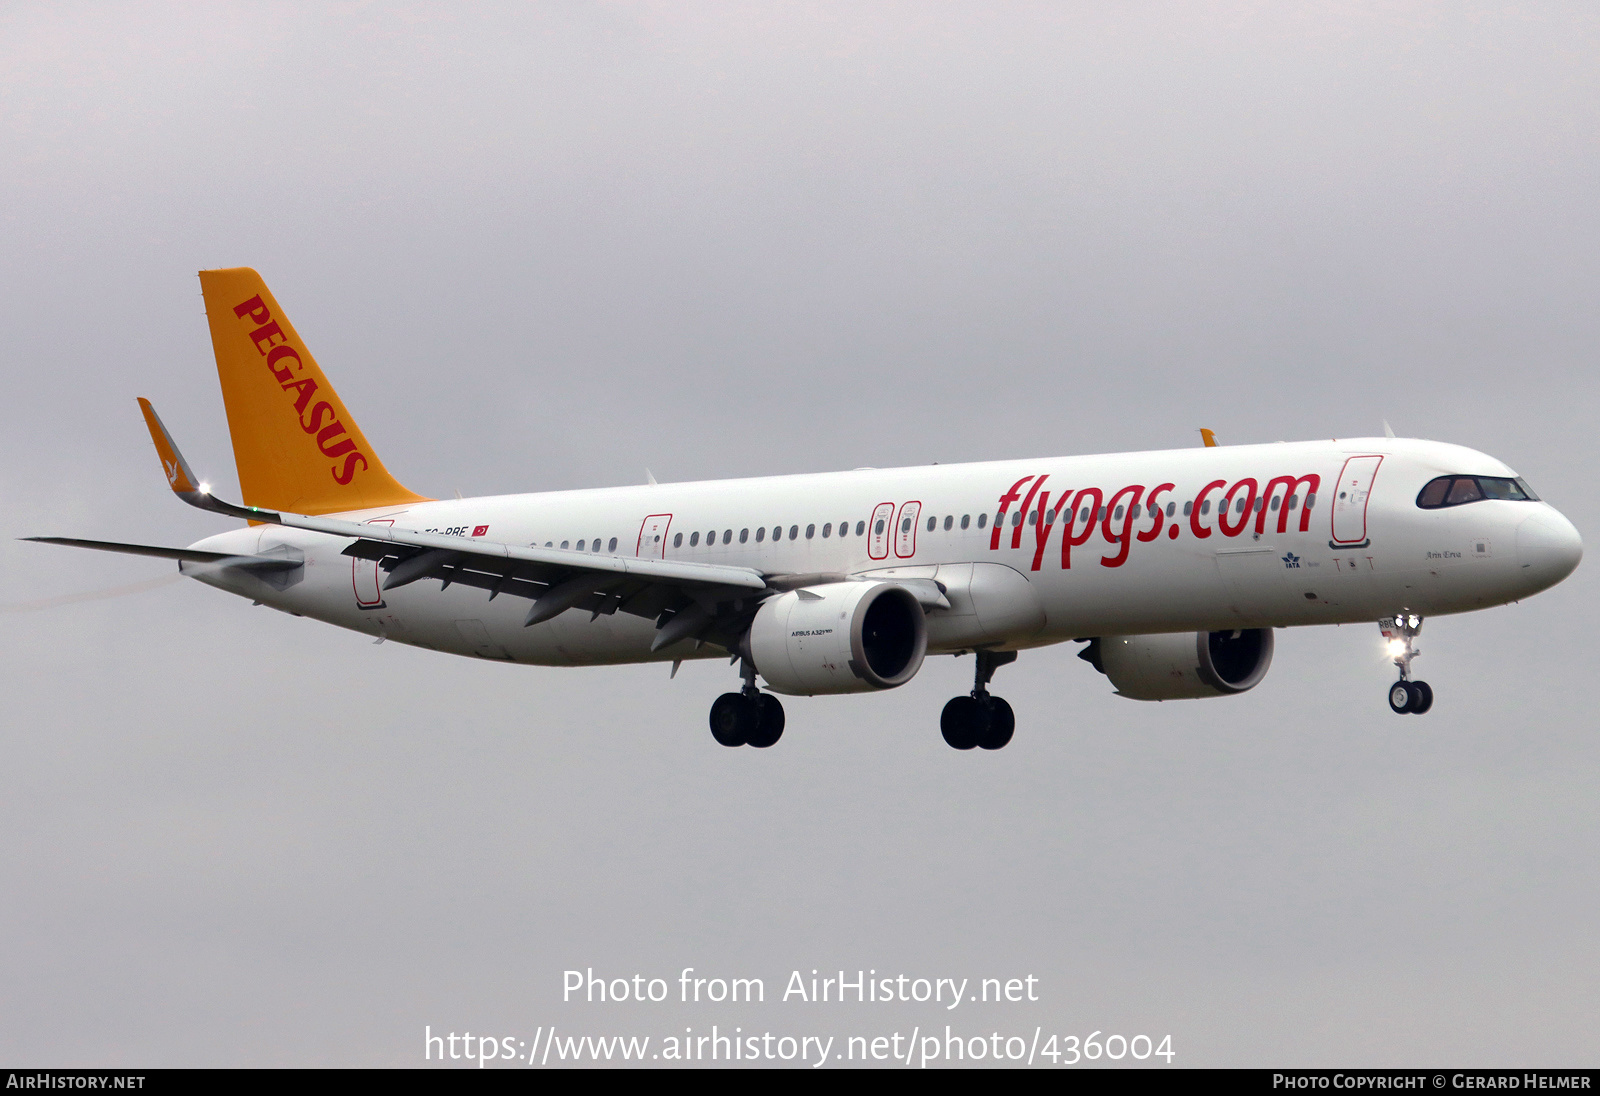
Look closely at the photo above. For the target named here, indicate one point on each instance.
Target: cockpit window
(1458, 490)
(1501, 489)
(1432, 496)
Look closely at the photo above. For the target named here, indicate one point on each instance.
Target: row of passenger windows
(949, 522)
(777, 534)
(1457, 490)
(610, 547)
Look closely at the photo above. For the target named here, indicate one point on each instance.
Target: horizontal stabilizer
(188, 555)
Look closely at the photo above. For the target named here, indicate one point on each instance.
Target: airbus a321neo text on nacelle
(1174, 568)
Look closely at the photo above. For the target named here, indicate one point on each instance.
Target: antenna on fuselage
(1388, 431)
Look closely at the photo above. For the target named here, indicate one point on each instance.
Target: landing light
(1397, 647)
(205, 489)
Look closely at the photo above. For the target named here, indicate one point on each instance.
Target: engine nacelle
(845, 637)
(1183, 665)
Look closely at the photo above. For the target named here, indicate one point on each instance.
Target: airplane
(1173, 568)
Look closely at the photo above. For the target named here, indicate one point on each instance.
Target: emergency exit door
(879, 531)
(653, 537)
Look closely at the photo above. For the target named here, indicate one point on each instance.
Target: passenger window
(1274, 502)
(595, 546)
(565, 543)
(1261, 504)
(694, 540)
(580, 546)
(1188, 508)
(933, 523)
(612, 547)
(1133, 511)
(1016, 519)
(547, 544)
(744, 535)
(1311, 500)
(965, 518)
(1294, 500)
(727, 536)
(1033, 517)
(827, 530)
(844, 528)
(861, 528)
(983, 519)
(1205, 507)
(949, 520)
(1172, 508)
(794, 532)
(1463, 490)
(777, 532)
(811, 531)
(1117, 514)
(761, 534)
(677, 540)
(877, 530)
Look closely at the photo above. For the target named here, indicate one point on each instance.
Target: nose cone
(1548, 547)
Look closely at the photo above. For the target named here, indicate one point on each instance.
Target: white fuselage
(1363, 551)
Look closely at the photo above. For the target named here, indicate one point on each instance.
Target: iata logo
(271, 344)
(1291, 562)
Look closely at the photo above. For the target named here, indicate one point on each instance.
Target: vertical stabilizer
(296, 446)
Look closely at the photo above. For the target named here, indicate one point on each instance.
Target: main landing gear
(979, 719)
(1406, 697)
(748, 717)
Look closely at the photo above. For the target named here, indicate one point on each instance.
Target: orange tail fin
(296, 446)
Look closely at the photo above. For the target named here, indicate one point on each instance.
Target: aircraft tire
(999, 725)
(1421, 697)
(733, 718)
(770, 728)
(962, 722)
(1400, 697)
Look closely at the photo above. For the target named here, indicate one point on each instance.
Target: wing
(186, 555)
(704, 601)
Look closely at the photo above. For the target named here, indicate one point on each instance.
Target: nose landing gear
(980, 719)
(1406, 697)
(748, 717)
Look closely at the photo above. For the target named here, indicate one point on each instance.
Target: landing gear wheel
(770, 728)
(1421, 697)
(1400, 697)
(962, 722)
(999, 725)
(733, 719)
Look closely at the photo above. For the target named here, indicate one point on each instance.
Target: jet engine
(845, 637)
(1183, 665)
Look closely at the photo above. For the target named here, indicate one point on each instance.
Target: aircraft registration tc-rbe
(1173, 568)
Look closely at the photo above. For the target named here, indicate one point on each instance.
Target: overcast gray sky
(545, 246)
